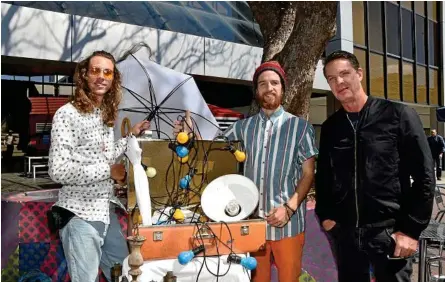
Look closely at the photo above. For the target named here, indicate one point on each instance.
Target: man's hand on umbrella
(185, 125)
(140, 127)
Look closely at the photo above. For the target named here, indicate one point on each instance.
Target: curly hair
(82, 98)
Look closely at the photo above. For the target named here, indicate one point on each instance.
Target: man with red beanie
(280, 151)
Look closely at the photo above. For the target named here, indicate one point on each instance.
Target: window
(224, 20)
(48, 84)
(407, 4)
(432, 10)
(66, 90)
(407, 34)
(358, 22)
(376, 75)
(434, 87)
(408, 82)
(421, 84)
(7, 77)
(392, 29)
(361, 57)
(420, 39)
(433, 52)
(419, 6)
(36, 78)
(22, 78)
(375, 26)
(393, 79)
(48, 89)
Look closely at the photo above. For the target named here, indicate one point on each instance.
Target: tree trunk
(295, 34)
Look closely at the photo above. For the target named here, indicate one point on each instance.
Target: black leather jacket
(387, 147)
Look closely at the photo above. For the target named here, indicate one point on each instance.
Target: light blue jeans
(89, 245)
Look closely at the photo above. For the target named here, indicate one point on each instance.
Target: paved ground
(15, 182)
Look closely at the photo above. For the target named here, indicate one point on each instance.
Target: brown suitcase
(168, 241)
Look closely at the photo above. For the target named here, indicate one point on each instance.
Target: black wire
(217, 238)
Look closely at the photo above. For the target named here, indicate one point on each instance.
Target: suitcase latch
(204, 232)
(244, 230)
(158, 236)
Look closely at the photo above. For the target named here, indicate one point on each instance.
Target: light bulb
(249, 263)
(233, 208)
(184, 182)
(182, 138)
(182, 151)
(239, 156)
(184, 159)
(187, 256)
(150, 172)
(179, 215)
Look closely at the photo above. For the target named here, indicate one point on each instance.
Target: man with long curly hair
(82, 158)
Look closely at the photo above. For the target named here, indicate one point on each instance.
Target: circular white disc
(225, 188)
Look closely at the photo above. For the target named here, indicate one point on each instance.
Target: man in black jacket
(437, 147)
(369, 149)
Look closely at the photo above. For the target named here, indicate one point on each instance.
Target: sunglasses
(95, 71)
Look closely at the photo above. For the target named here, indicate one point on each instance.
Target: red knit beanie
(273, 66)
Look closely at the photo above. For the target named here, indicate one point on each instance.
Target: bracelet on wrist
(286, 205)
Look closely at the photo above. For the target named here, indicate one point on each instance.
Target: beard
(269, 102)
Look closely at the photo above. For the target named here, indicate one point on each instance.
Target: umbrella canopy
(160, 94)
(440, 113)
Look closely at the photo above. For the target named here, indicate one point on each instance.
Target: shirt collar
(272, 117)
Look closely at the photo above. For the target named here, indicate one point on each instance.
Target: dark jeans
(438, 162)
(356, 248)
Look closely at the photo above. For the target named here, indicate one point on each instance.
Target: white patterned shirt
(82, 150)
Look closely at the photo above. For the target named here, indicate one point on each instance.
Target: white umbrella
(160, 94)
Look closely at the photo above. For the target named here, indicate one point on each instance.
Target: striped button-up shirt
(276, 148)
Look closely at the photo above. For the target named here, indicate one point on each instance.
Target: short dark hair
(340, 54)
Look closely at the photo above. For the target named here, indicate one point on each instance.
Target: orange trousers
(287, 254)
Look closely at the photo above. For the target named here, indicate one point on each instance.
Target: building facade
(400, 48)
(399, 45)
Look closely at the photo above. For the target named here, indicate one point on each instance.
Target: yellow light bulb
(179, 215)
(240, 156)
(184, 159)
(150, 172)
(182, 138)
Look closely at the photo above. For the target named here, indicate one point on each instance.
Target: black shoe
(438, 178)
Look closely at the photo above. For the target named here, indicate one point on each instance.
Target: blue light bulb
(184, 182)
(182, 151)
(249, 263)
(185, 257)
